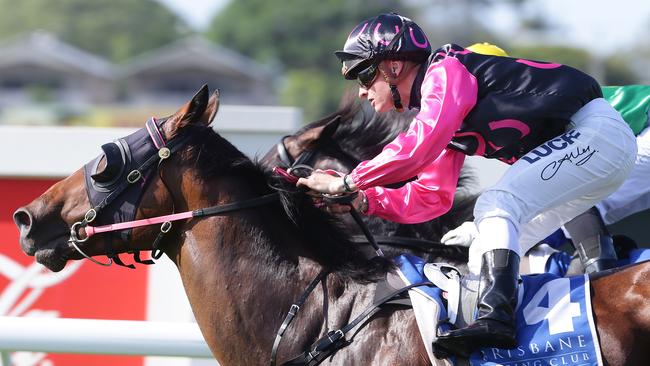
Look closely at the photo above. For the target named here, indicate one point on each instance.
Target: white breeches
(555, 182)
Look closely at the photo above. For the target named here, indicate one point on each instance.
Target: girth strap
(335, 339)
(292, 313)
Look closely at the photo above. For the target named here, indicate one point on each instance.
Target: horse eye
(113, 165)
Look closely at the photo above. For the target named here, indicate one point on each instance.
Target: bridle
(301, 162)
(302, 165)
(139, 157)
(130, 164)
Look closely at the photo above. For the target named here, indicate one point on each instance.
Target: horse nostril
(23, 219)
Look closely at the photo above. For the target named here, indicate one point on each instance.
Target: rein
(202, 212)
(423, 245)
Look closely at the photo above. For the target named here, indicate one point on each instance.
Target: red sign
(82, 290)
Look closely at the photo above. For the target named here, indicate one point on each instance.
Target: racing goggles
(367, 76)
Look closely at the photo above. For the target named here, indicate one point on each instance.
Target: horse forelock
(213, 156)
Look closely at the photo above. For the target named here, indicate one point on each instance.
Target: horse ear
(212, 108)
(193, 110)
(330, 128)
(316, 135)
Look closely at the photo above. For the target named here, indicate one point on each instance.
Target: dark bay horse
(243, 268)
(355, 133)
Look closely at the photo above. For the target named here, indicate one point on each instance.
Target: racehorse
(352, 134)
(246, 252)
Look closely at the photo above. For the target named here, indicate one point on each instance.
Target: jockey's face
(378, 93)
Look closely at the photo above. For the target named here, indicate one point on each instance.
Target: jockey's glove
(463, 235)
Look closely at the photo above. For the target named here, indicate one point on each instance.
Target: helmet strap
(397, 99)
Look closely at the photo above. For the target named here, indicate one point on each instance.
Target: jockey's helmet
(385, 37)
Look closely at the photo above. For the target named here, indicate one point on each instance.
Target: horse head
(129, 180)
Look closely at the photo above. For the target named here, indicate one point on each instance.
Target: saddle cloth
(554, 318)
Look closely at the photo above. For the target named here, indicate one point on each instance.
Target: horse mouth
(51, 259)
(55, 255)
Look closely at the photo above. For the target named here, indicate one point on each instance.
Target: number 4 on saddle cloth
(554, 319)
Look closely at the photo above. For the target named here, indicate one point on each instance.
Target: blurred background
(77, 73)
(106, 62)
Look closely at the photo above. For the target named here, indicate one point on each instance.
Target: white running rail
(106, 337)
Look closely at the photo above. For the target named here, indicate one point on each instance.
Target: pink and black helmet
(384, 37)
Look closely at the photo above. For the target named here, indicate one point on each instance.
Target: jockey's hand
(330, 182)
(463, 235)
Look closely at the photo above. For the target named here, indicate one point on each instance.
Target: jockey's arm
(423, 199)
(449, 92)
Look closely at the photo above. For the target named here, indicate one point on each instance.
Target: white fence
(106, 337)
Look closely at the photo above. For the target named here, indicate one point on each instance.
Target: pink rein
(92, 230)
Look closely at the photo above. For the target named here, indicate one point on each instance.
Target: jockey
(567, 146)
(588, 231)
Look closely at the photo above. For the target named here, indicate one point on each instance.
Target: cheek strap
(397, 100)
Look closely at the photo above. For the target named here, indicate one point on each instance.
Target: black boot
(591, 239)
(495, 324)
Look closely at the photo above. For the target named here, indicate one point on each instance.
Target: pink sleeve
(423, 199)
(449, 92)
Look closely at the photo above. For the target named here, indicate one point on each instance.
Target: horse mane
(215, 156)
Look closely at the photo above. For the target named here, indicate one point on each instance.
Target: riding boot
(495, 324)
(592, 241)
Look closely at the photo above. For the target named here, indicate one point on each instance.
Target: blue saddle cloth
(554, 320)
(554, 325)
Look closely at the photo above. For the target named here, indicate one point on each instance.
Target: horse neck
(241, 273)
